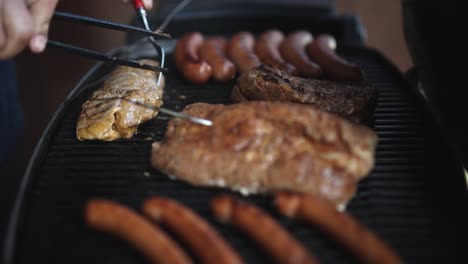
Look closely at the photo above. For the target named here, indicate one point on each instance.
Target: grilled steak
(267, 146)
(114, 118)
(353, 102)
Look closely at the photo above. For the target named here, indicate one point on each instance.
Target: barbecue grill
(415, 198)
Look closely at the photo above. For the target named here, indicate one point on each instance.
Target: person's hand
(26, 23)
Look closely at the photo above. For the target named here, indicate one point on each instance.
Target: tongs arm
(101, 56)
(107, 24)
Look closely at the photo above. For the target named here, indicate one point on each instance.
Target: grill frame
(23, 200)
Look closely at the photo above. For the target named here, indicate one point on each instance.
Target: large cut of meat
(260, 146)
(355, 102)
(105, 118)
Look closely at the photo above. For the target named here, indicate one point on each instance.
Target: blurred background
(45, 80)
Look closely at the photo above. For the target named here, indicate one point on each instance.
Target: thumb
(17, 25)
(148, 4)
(41, 11)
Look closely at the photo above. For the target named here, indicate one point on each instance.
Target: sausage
(341, 226)
(205, 242)
(213, 52)
(110, 217)
(322, 51)
(187, 60)
(268, 234)
(240, 51)
(267, 49)
(293, 51)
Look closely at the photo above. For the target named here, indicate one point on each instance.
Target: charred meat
(355, 102)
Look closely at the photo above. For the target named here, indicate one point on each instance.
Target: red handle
(138, 4)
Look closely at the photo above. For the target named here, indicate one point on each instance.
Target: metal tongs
(100, 56)
(138, 4)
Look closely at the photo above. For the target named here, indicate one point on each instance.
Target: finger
(18, 27)
(2, 31)
(148, 4)
(41, 11)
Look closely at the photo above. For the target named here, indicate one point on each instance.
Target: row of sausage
(298, 53)
(209, 246)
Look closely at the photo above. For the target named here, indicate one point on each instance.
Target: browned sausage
(187, 60)
(213, 52)
(205, 242)
(110, 217)
(321, 50)
(240, 51)
(268, 234)
(293, 51)
(267, 49)
(341, 226)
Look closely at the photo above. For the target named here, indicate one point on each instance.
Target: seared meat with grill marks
(353, 102)
(268, 146)
(114, 118)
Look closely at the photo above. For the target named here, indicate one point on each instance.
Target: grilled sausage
(321, 50)
(213, 52)
(261, 228)
(240, 51)
(205, 242)
(188, 61)
(342, 227)
(107, 216)
(267, 49)
(293, 51)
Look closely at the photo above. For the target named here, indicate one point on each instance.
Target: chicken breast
(111, 119)
(257, 147)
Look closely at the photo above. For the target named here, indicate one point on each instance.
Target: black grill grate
(412, 198)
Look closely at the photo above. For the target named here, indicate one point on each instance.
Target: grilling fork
(140, 8)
